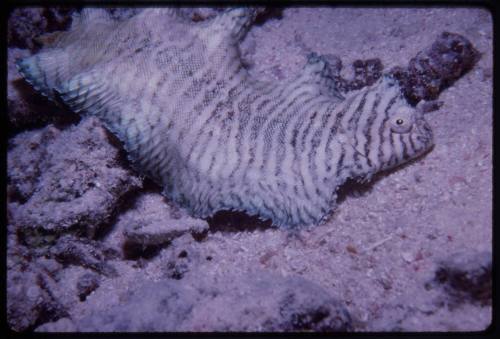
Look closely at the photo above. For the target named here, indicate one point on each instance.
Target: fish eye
(402, 121)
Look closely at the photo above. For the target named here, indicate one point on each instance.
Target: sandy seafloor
(379, 252)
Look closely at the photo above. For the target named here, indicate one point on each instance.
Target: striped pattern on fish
(191, 118)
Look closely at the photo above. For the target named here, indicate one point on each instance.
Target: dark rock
(366, 73)
(426, 76)
(70, 250)
(302, 309)
(123, 13)
(335, 64)
(436, 67)
(25, 24)
(429, 106)
(200, 13)
(26, 157)
(153, 222)
(30, 285)
(256, 301)
(18, 256)
(49, 266)
(467, 277)
(184, 256)
(29, 300)
(153, 306)
(264, 301)
(176, 270)
(64, 182)
(197, 14)
(86, 284)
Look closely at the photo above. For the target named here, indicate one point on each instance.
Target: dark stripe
(296, 156)
(367, 128)
(212, 162)
(393, 149)
(382, 128)
(353, 126)
(412, 145)
(405, 147)
(309, 214)
(333, 132)
(208, 98)
(281, 123)
(244, 113)
(340, 162)
(282, 145)
(269, 193)
(315, 142)
(278, 121)
(235, 67)
(138, 75)
(202, 130)
(352, 123)
(305, 133)
(271, 110)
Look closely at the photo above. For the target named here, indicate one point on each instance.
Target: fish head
(407, 135)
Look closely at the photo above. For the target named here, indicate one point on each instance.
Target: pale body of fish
(191, 117)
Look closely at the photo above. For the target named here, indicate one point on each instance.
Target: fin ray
(86, 92)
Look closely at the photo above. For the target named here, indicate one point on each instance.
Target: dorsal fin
(38, 70)
(62, 58)
(233, 23)
(90, 16)
(87, 93)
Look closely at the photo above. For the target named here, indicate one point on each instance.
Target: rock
(64, 182)
(155, 306)
(29, 301)
(201, 13)
(184, 256)
(366, 73)
(61, 325)
(25, 24)
(263, 301)
(123, 13)
(256, 301)
(152, 222)
(87, 283)
(70, 250)
(49, 266)
(26, 159)
(467, 277)
(26, 108)
(436, 67)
